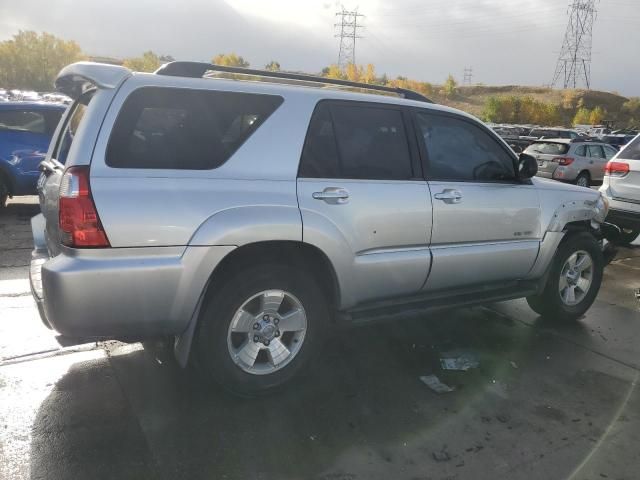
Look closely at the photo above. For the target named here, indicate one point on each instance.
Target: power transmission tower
(574, 62)
(348, 33)
(468, 74)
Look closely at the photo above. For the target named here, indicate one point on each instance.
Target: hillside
(472, 99)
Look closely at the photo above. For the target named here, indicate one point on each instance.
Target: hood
(556, 186)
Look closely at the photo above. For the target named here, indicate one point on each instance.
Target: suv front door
(486, 223)
(363, 200)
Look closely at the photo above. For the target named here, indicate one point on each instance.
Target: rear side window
(550, 148)
(172, 128)
(22, 121)
(356, 142)
(609, 152)
(581, 151)
(458, 150)
(595, 151)
(631, 151)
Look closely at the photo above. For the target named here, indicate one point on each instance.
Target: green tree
(333, 71)
(597, 115)
(582, 116)
(450, 87)
(32, 60)
(148, 62)
(272, 66)
(230, 60)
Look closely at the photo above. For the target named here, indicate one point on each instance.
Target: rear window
(547, 148)
(631, 151)
(33, 121)
(172, 128)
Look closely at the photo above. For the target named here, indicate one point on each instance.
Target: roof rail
(198, 69)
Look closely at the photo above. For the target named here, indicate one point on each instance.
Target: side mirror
(527, 166)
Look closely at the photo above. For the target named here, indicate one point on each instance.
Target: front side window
(172, 128)
(458, 150)
(356, 142)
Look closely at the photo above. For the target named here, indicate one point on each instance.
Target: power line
(468, 75)
(347, 33)
(574, 62)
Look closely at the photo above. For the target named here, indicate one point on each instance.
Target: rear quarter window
(172, 128)
(631, 151)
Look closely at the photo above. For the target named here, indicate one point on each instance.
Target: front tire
(261, 327)
(574, 279)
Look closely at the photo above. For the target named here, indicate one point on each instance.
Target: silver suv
(577, 161)
(621, 186)
(245, 218)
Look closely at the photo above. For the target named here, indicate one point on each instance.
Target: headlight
(600, 209)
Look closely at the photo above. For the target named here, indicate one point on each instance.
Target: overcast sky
(505, 41)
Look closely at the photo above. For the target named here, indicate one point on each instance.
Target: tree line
(31, 61)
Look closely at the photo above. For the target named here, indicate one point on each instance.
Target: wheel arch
(295, 253)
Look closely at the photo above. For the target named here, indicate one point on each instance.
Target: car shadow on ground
(21, 211)
(361, 412)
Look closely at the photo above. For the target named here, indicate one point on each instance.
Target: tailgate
(53, 169)
(627, 187)
(48, 192)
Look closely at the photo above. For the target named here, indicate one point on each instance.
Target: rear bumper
(124, 292)
(624, 218)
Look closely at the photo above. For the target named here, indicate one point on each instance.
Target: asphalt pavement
(546, 401)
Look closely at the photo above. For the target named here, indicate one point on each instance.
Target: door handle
(449, 195)
(332, 195)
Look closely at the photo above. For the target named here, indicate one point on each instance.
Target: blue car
(25, 132)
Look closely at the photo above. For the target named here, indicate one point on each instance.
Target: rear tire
(249, 318)
(627, 236)
(4, 193)
(583, 180)
(574, 279)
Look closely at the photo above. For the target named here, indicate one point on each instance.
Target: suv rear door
(360, 182)
(597, 161)
(486, 223)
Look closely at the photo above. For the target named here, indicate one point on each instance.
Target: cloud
(514, 42)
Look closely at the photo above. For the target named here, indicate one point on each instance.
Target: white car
(621, 186)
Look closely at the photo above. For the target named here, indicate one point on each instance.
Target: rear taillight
(79, 222)
(563, 160)
(616, 169)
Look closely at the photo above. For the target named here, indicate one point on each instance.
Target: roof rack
(198, 69)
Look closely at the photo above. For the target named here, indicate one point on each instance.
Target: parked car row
(520, 136)
(578, 161)
(32, 96)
